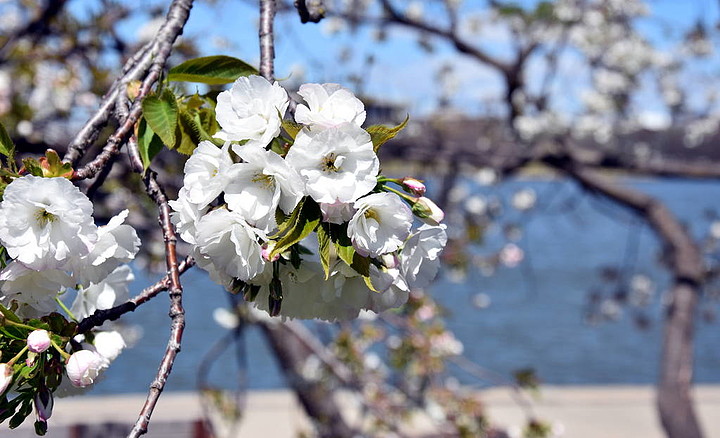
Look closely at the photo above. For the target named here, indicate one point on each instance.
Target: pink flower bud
(6, 376)
(266, 250)
(43, 404)
(83, 367)
(38, 341)
(414, 186)
(428, 211)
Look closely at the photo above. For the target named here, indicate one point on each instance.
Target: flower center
(371, 214)
(332, 162)
(267, 181)
(43, 217)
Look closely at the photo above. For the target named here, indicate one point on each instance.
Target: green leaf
(208, 122)
(347, 254)
(303, 220)
(291, 127)
(188, 133)
(53, 166)
(161, 113)
(213, 70)
(324, 246)
(380, 134)
(361, 265)
(368, 283)
(21, 414)
(7, 147)
(149, 144)
(32, 166)
(9, 314)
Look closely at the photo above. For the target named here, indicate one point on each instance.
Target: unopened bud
(237, 286)
(414, 186)
(43, 404)
(267, 250)
(83, 367)
(133, 89)
(275, 297)
(38, 341)
(251, 292)
(428, 211)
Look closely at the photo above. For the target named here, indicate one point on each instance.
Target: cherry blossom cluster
(273, 178)
(55, 249)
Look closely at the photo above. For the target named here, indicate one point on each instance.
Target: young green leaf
(188, 133)
(213, 70)
(304, 219)
(380, 134)
(361, 265)
(9, 314)
(32, 166)
(7, 147)
(149, 144)
(368, 283)
(325, 248)
(291, 127)
(52, 165)
(161, 113)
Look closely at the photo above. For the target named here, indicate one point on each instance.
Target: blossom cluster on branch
(52, 248)
(295, 215)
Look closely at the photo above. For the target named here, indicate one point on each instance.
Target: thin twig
(99, 317)
(177, 313)
(168, 33)
(133, 69)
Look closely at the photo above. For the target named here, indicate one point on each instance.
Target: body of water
(536, 313)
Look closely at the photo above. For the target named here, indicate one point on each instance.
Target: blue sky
(402, 72)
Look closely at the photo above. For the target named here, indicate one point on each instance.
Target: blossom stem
(19, 324)
(409, 199)
(17, 357)
(62, 352)
(65, 309)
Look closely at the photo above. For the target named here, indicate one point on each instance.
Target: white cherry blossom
(44, 222)
(109, 345)
(337, 212)
(105, 294)
(34, 291)
(260, 184)
(117, 243)
(329, 105)
(227, 239)
(380, 225)
(186, 215)
(338, 164)
(420, 256)
(251, 110)
(207, 173)
(83, 367)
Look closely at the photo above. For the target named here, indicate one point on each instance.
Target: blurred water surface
(535, 317)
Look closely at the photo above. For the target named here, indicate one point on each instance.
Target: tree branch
(266, 37)
(674, 397)
(99, 317)
(177, 313)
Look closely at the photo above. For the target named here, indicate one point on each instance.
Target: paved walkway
(579, 411)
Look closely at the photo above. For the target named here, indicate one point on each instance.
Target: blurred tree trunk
(317, 400)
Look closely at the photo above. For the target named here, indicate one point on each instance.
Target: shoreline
(577, 411)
